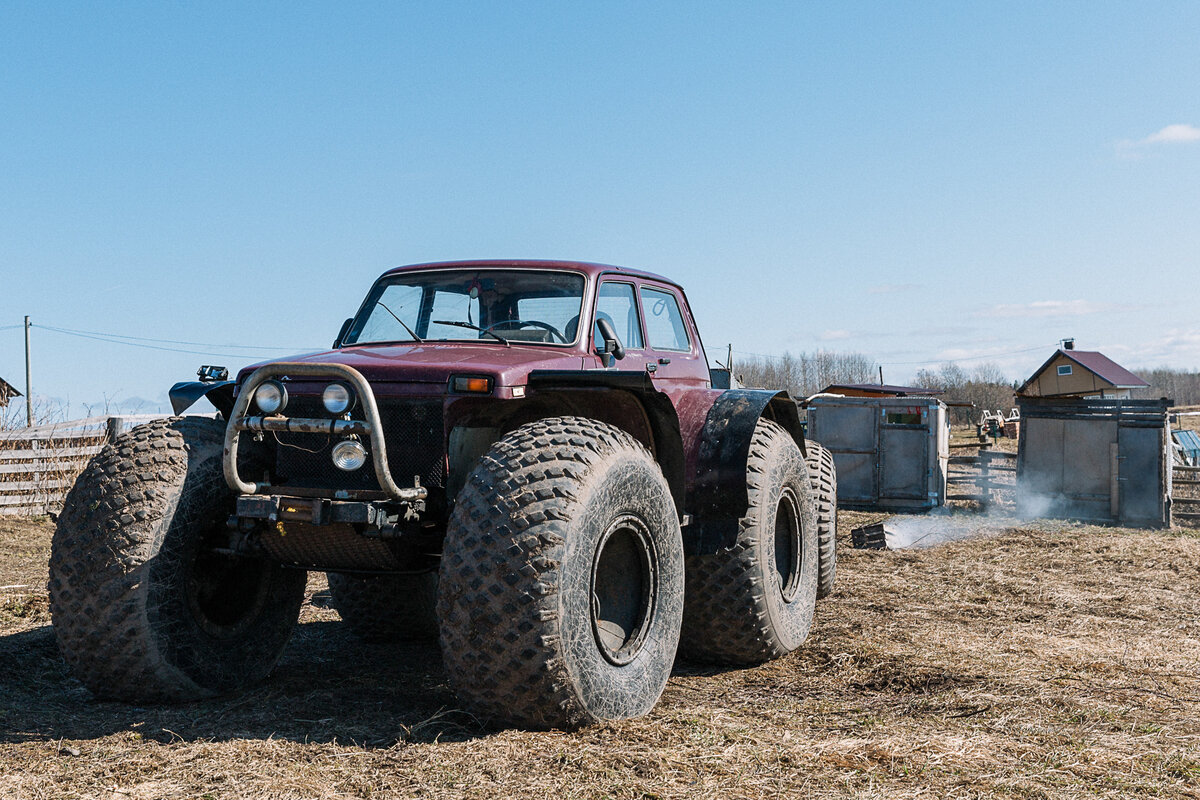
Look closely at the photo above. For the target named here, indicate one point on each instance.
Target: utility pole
(881, 374)
(28, 385)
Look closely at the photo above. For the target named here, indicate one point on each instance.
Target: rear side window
(664, 320)
(616, 303)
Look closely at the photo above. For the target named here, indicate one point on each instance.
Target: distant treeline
(1181, 386)
(806, 373)
(985, 385)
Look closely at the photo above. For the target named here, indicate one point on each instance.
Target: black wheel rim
(624, 588)
(225, 593)
(788, 551)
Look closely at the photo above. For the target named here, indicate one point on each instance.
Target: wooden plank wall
(39, 465)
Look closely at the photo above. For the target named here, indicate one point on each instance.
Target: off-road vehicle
(527, 459)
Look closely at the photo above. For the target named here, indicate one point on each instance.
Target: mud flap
(720, 486)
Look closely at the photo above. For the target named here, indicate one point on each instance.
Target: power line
(161, 341)
(101, 338)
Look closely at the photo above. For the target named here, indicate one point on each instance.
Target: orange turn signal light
(465, 383)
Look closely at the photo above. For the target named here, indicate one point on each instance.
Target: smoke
(943, 525)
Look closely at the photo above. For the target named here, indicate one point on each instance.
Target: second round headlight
(337, 398)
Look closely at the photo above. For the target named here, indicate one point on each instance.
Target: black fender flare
(719, 494)
(660, 411)
(185, 393)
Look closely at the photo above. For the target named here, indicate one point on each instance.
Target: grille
(412, 430)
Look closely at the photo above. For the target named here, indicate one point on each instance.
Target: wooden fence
(1185, 490)
(988, 478)
(39, 465)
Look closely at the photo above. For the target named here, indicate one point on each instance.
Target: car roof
(588, 268)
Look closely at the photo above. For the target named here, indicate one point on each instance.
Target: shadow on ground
(328, 687)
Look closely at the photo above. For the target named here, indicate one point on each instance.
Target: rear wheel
(144, 607)
(386, 608)
(561, 588)
(822, 477)
(755, 601)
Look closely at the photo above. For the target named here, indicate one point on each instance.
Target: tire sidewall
(791, 621)
(214, 657)
(625, 485)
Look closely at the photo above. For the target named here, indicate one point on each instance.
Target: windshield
(524, 306)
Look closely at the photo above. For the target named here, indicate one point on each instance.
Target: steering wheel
(530, 323)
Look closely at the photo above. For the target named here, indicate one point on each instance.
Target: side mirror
(612, 345)
(342, 333)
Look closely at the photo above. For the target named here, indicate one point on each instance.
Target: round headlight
(349, 455)
(270, 397)
(337, 398)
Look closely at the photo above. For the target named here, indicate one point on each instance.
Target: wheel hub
(624, 588)
(788, 550)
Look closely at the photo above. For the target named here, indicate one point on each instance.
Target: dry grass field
(1044, 661)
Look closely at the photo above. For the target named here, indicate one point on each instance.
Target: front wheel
(144, 607)
(561, 587)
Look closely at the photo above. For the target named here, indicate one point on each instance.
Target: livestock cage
(890, 452)
(1095, 459)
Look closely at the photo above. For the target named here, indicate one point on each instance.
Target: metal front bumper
(370, 427)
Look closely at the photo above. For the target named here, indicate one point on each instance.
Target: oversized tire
(387, 608)
(561, 585)
(755, 601)
(822, 478)
(143, 610)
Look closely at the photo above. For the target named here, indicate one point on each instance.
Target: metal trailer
(1097, 460)
(891, 452)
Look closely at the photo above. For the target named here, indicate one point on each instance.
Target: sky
(921, 183)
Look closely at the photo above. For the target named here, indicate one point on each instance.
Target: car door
(616, 301)
(673, 350)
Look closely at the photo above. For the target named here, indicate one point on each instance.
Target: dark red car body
(699, 434)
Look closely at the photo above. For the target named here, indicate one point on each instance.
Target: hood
(435, 363)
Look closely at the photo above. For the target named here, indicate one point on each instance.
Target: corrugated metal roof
(1105, 368)
(884, 388)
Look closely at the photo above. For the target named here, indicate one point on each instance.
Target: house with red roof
(1080, 373)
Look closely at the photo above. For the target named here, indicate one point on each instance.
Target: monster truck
(524, 458)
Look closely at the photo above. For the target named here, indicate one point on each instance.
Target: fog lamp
(349, 455)
(270, 397)
(337, 398)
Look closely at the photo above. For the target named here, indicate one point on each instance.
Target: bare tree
(806, 373)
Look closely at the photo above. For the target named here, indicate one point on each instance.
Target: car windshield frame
(482, 286)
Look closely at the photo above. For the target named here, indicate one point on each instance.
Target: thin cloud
(1053, 308)
(1179, 133)
(1173, 134)
(836, 335)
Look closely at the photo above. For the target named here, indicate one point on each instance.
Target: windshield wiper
(474, 328)
(411, 332)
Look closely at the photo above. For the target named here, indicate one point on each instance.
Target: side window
(616, 303)
(664, 320)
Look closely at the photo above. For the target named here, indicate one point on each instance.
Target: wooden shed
(1081, 373)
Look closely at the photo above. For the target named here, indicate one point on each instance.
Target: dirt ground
(1046, 661)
